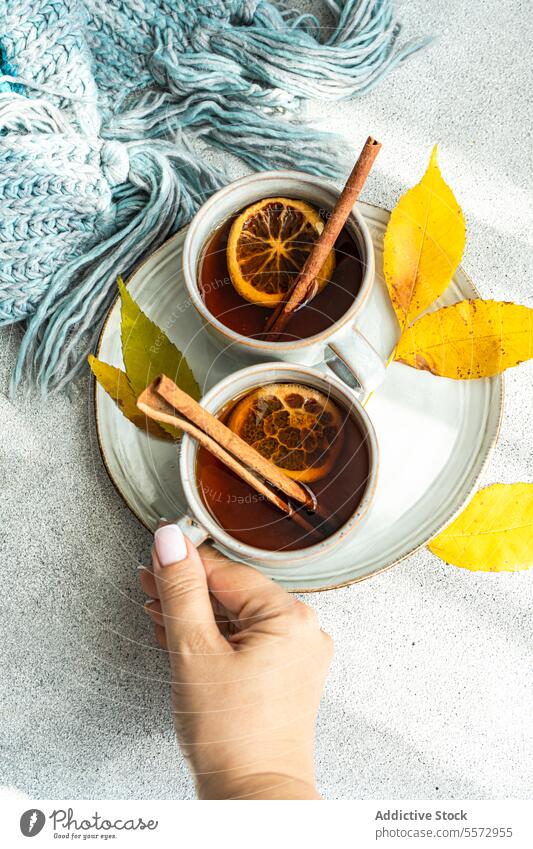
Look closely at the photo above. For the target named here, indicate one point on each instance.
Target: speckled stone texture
(429, 694)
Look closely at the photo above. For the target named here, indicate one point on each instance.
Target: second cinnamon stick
(303, 287)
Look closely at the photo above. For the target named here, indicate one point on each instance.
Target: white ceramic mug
(199, 524)
(341, 346)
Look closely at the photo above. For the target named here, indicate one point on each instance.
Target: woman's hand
(248, 666)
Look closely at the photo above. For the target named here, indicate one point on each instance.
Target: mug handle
(352, 358)
(195, 532)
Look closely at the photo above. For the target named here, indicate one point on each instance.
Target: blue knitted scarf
(99, 101)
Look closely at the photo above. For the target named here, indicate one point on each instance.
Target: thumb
(183, 592)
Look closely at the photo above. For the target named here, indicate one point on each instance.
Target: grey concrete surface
(429, 694)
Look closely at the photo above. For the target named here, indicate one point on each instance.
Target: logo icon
(32, 822)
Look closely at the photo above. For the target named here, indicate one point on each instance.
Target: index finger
(244, 591)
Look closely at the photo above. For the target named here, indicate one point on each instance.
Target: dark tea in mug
(252, 260)
(313, 439)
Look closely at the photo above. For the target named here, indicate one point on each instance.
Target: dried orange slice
(295, 427)
(268, 245)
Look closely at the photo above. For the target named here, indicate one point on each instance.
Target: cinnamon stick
(233, 443)
(305, 282)
(156, 408)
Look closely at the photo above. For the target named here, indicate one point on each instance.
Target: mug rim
(198, 509)
(191, 276)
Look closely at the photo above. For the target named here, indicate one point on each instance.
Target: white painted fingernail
(148, 602)
(170, 545)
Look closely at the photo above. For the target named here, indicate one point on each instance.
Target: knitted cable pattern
(99, 101)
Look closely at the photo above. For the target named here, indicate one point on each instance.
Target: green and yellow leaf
(148, 352)
(468, 340)
(423, 246)
(115, 383)
(494, 533)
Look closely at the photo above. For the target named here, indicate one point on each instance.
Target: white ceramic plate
(435, 434)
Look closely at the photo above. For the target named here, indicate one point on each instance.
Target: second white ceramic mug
(199, 524)
(345, 350)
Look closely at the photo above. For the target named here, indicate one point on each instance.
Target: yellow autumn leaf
(115, 383)
(424, 243)
(494, 533)
(468, 340)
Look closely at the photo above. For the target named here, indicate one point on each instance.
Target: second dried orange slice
(295, 427)
(268, 245)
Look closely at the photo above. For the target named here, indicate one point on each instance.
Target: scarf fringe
(308, 60)
(154, 203)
